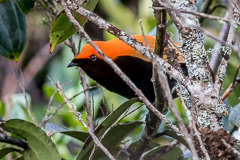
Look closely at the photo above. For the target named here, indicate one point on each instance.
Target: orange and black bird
(137, 67)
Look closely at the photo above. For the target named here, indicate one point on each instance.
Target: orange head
(113, 49)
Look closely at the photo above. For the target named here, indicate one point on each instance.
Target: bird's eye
(93, 57)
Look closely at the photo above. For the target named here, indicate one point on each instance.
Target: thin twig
(114, 124)
(205, 152)
(128, 113)
(159, 154)
(233, 10)
(230, 147)
(79, 115)
(196, 13)
(207, 33)
(44, 120)
(205, 9)
(79, 44)
(104, 100)
(215, 57)
(233, 85)
(26, 99)
(48, 108)
(46, 117)
(187, 137)
(93, 151)
(152, 122)
(88, 102)
(72, 45)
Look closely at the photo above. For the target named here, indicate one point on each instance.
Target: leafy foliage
(25, 5)
(62, 29)
(12, 30)
(40, 145)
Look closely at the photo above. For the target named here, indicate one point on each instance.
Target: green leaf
(173, 154)
(62, 29)
(132, 147)
(2, 109)
(109, 121)
(25, 5)
(158, 141)
(115, 136)
(29, 154)
(79, 135)
(175, 136)
(40, 145)
(12, 30)
(115, 115)
(19, 158)
(5, 151)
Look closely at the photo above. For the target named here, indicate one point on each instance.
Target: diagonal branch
(226, 51)
(187, 137)
(117, 70)
(215, 57)
(101, 23)
(78, 115)
(88, 102)
(203, 15)
(11, 140)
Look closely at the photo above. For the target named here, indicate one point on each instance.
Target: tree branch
(186, 136)
(78, 114)
(117, 70)
(226, 52)
(101, 23)
(11, 140)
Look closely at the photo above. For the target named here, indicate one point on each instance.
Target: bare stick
(88, 102)
(25, 96)
(207, 33)
(159, 154)
(227, 52)
(78, 115)
(45, 119)
(196, 13)
(48, 108)
(114, 124)
(152, 122)
(231, 87)
(205, 152)
(188, 138)
(215, 57)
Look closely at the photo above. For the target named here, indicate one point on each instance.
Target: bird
(136, 66)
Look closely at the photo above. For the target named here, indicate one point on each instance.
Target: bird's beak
(71, 64)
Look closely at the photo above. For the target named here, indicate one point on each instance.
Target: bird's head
(88, 55)
(91, 62)
(113, 49)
